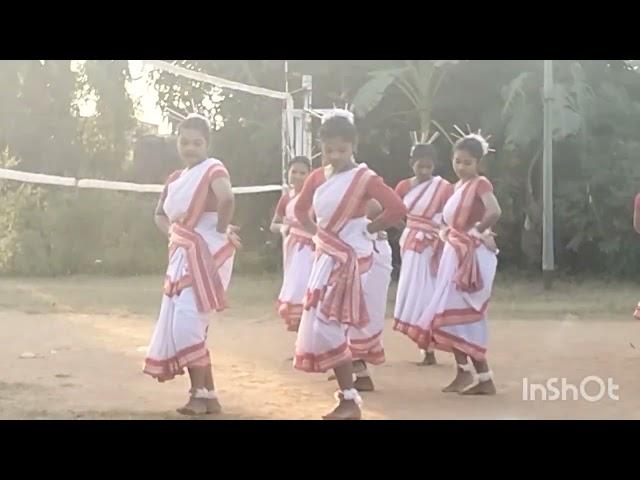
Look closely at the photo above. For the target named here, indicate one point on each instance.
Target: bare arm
(373, 209)
(400, 190)
(304, 203)
(400, 225)
(160, 218)
(393, 210)
(279, 221)
(492, 212)
(308, 225)
(636, 216)
(221, 187)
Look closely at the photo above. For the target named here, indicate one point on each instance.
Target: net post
(307, 135)
(283, 144)
(287, 136)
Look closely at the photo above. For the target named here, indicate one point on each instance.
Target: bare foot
(195, 406)
(346, 410)
(463, 380)
(213, 406)
(429, 359)
(363, 384)
(481, 388)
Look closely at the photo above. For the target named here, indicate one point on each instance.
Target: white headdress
(424, 139)
(346, 112)
(201, 117)
(340, 112)
(476, 136)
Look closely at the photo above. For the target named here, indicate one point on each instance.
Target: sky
(141, 89)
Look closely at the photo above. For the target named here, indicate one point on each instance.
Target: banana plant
(576, 102)
(418, 80)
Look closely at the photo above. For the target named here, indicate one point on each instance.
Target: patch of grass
(516, 297)
(254, 296)
(249, 295)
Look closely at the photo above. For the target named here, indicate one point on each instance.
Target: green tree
(418, 80)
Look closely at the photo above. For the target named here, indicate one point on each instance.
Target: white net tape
(217, 81)
(39, 178)
(288, 147)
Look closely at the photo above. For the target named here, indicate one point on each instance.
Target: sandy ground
(89, 357)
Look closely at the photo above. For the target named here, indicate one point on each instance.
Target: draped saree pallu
(336, 322)
(298, 251)
(197, 277)
(421, 250)
(366, 342)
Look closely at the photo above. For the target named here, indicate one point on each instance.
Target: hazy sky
(140, 89)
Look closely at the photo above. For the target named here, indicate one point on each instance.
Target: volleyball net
(288, 137)
(61, 224)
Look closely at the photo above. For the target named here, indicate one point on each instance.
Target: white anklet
(205, 394)
(351, 394)
(485, 377)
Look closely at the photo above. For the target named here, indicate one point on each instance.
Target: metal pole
(283, 143)
(307, 145)
(548, 263)
(285, 134)
(285, 140)
(286, 76)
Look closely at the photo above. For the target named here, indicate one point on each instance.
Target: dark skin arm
(278, 221)
(308, 225)
(393, 208)
(303, 206)
(160, 218)
(492, 212)
(402, 223)
(374, 209)
(221, 187)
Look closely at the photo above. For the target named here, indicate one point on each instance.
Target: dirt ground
(88, 337)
